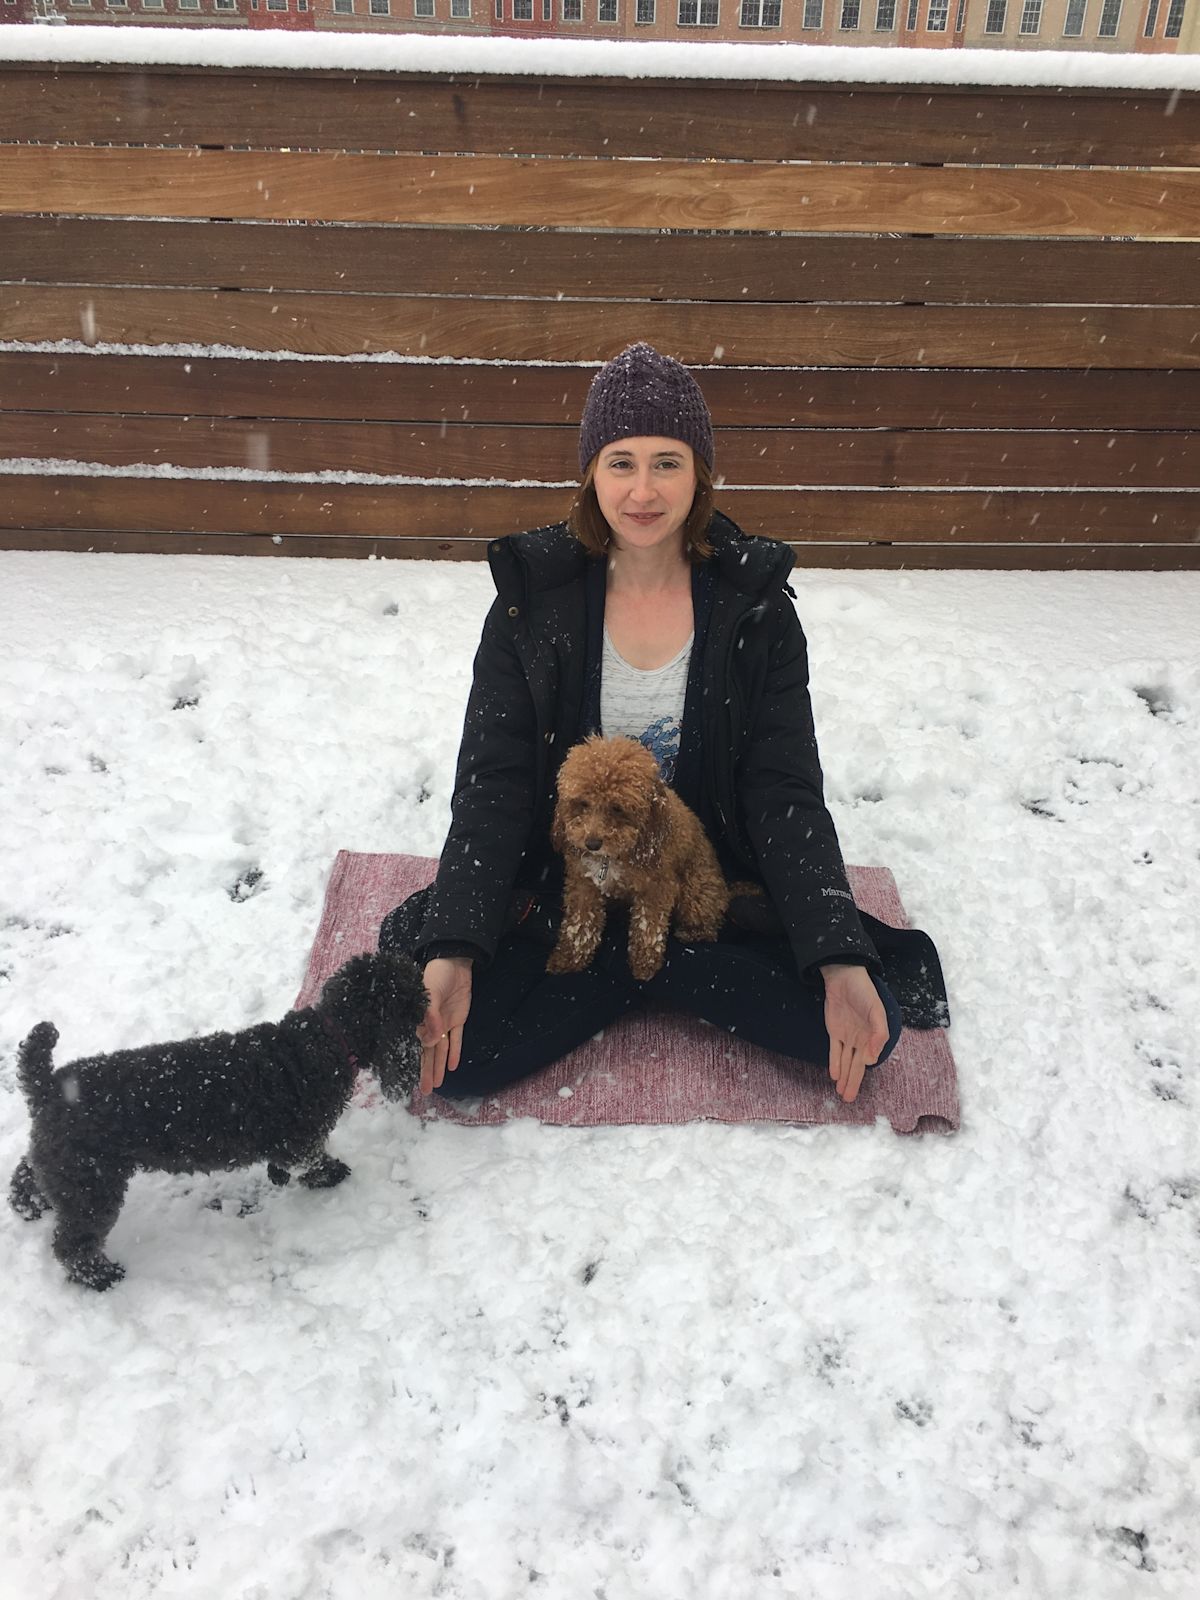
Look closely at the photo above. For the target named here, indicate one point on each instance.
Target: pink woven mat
(648, 1067)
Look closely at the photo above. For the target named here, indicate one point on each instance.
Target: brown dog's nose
(592, 844)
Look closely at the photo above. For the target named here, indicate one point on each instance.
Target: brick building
(170, 13)
(930, 23)
(1120, 26)
(404, 16)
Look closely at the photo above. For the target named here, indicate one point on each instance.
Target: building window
(763, 13)
(1174, 25)
(813, 13)
(572, 10)
(698, 13)
(938, 16)
(383, 8)
(499, 10)
(1110, 20)
(224, 5)
(849, 17)
(885, 16)
(645, 10)
(460, 8)
(194, 5)
(343, 8)
(913, 7)
(1076, 13)
(152, 5)
(522, 10)
(961, 17)
(994, 21)
(1031, 17)
(118, 5)
(606, 11)
(1151, 19)
(422, 8)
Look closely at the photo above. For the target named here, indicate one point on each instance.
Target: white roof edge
(584, 58)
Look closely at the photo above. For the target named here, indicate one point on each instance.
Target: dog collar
(596, 868)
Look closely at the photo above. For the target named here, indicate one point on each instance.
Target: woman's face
(645, 488)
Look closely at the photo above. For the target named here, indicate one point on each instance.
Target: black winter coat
(761, 794)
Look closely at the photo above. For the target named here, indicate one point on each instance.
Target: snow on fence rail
(266, 310)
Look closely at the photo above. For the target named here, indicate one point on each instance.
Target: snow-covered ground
(675, 1363)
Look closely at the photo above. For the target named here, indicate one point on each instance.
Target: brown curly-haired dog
(624, 835)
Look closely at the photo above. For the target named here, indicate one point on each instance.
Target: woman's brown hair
(586, 520)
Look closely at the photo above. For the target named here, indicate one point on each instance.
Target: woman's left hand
(856, 1023)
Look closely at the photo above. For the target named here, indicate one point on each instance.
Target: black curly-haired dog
(269, 1093)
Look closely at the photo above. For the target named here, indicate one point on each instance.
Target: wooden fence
(937, 327)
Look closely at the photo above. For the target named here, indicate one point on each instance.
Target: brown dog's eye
(618, 812)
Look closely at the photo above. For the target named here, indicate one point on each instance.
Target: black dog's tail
(35, 1063)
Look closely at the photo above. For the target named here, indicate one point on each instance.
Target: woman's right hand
(448, 980)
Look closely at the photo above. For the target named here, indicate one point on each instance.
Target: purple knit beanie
(642, 394)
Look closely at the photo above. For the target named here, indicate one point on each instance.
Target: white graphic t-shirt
(645, 705)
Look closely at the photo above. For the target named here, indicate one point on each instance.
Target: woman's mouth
(644, 517)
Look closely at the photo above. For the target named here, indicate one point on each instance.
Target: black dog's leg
(324, 1171)
(87, 1202)
(26, 1199)
(279, 1176)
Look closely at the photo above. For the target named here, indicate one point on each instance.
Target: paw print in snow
(919, 1412)
(248, 885)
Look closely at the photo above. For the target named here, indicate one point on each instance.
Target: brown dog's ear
(653, 835)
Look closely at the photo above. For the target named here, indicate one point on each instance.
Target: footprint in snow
(250, 883)
(1157, 698)
(919, 1412)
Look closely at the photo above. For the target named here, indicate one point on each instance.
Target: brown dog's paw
(645, 965)
(566, 958)
(646, 953)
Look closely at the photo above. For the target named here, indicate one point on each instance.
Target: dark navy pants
(523, 1018)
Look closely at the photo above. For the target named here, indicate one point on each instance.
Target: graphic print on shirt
(661, 738)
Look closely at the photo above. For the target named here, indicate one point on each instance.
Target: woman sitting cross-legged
(647, 613)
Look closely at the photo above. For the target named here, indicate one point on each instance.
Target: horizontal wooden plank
(461, 392)
(556, 192)
(339, 258)
(672, 118)
(957, 516)
(813, 556)
(842, 457)
(516, 330)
